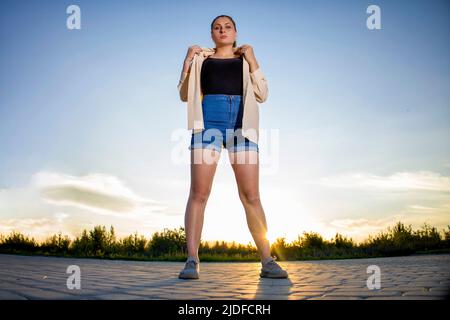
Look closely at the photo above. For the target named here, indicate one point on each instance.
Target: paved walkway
(413, 277)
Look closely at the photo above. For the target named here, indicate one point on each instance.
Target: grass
(170, 245)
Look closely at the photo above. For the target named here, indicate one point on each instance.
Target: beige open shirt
(254, 90)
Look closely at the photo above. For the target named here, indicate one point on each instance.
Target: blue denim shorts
(222, 117)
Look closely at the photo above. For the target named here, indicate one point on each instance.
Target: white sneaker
(191, 270)
(271, 269)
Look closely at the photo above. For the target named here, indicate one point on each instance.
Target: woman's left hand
(247, 51)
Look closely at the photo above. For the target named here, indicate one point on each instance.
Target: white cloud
(438, 216)
(361, 228)
(414, 215)
(55, 202)
(421, 180)
(52, 202)
(99, 193)
(39, 228)
(60, 216)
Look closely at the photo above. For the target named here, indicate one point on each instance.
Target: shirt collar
(206, 52)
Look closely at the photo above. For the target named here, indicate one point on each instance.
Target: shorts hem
(243, 148)
(205, 146)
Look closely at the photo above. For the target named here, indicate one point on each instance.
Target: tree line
(170, 244)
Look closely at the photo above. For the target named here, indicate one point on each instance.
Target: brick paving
(411, 277)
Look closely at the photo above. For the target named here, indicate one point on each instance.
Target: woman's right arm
(183, 83)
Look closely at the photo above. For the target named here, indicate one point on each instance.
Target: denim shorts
(222, 117)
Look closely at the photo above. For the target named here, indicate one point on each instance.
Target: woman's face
(223, 32)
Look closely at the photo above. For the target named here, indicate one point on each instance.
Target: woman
(219, 84)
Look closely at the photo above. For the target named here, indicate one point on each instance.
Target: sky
(354, 133)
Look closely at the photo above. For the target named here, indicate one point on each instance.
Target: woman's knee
(250, 198)
(199, 195)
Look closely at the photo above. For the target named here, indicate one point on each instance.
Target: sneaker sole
(188, 276)
(267, 275)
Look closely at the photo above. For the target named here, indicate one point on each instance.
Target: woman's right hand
(192, 51)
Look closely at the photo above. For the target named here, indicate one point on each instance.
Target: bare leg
(202, 175)
(246, 171)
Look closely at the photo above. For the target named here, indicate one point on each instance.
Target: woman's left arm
(259, 82)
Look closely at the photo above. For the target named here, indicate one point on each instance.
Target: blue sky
(87, 116)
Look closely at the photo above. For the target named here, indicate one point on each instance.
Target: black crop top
(222, 76)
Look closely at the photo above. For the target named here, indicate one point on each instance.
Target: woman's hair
(224, 15)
